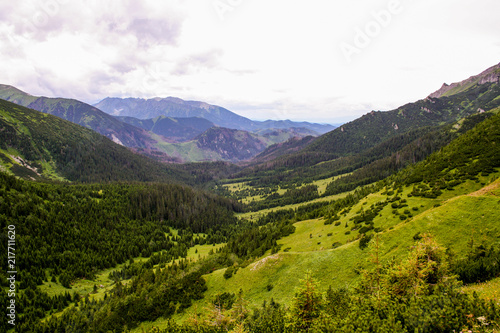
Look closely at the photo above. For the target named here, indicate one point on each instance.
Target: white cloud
(263, 59)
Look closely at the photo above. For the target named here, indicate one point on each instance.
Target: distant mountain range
(176, 107)
(225, 144)
(172, 138)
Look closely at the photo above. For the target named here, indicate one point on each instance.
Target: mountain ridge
(490, 75)
(173, 129)
(175, 107)
(227, 144)
(377, 126)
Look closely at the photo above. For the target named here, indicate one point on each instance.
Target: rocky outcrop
(491, 75)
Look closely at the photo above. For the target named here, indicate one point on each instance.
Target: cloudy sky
(315, 60)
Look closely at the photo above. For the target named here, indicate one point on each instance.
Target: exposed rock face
(491, 75)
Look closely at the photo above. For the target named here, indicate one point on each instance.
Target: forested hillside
(347, 173)
(400, 295)
(175, 129)
(69, 232)
(82, 114)
(34, 145)
(377, 127)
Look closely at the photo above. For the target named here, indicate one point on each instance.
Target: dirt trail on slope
(491, 189)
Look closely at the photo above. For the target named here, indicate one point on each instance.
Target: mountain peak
(491, 75)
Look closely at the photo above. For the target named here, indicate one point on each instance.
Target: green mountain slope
(34, 144)
(478, 95)
(376, 127)
(361, 152)
(445, 195)
(344, 173)
(81, 114)
(151, 137)
(283, 148)
(341, 243)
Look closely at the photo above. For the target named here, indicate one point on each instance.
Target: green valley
(388, 223)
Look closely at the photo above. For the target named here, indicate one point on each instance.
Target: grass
(187, 151)
(253, 216)
(323, 183)
(104, 284)
(86, 287)
(49, 171)
(454, 219)
(470, 211)
(488, 290)
(236, 188)
(14, 122)
(198, 252)
(243, 186)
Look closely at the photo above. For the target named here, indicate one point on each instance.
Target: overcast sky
(315, 60)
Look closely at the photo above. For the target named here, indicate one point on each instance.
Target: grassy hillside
(461, 215)
(336, 259)
(310, 247)
(346, 173)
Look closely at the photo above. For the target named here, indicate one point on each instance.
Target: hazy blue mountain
(176, 107)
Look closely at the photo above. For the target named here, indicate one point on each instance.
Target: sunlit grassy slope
(332, 253)
(457, 218)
